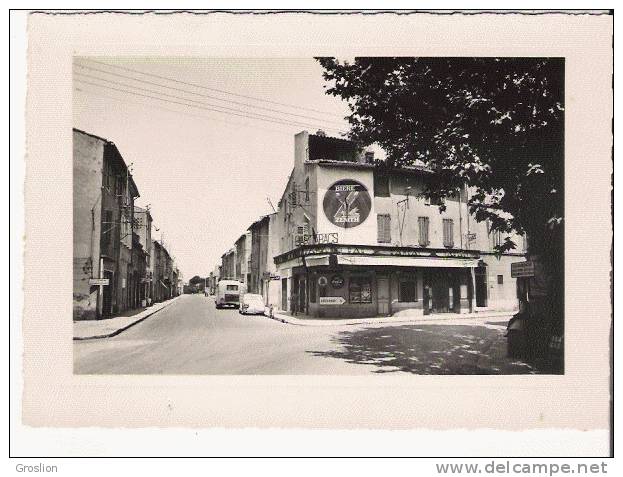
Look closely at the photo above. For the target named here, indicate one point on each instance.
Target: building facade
(103, 212)
(228, 265)
(354, 240)
(142, 227)
(243, 258)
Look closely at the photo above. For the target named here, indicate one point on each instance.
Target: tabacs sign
(347, 203)
(522, 269)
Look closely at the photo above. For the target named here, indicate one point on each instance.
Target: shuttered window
(384, 228)
(423, 231)
(448, 233)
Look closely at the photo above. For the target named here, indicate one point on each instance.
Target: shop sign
(331, 300)
(322, 281)
(337, 282)
(347, 203)
(522, 269)
(98, 281)
(317, 238)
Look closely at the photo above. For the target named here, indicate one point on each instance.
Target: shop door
(383, 296)
(480, 277)
(107, 298)
(441, 295)
(284, 294)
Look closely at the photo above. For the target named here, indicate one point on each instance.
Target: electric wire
(209, 88)
(153, 83)
(255, 116)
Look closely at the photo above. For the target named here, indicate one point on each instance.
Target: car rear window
(232, 287)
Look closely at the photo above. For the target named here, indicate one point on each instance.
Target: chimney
(301, 149)
(321, 133)
(369, 157)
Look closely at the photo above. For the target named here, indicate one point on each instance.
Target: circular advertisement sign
(347, 203)
(337, 281)
(322, 281)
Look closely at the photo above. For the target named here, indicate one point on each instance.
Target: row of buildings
(117, 265)
(351, 239)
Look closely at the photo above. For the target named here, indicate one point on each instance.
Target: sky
(206, 175)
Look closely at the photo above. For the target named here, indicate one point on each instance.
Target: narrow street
(192, 337)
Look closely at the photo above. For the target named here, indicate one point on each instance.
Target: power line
(160, 85)
(255, 116)
(195, 101)
(209, 88)
(201, 116)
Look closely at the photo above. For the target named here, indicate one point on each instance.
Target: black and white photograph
(390, 227)
(347, 216)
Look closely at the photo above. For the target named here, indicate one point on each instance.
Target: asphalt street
(191, 336)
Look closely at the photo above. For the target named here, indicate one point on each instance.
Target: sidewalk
(92, 329)
(403, 318)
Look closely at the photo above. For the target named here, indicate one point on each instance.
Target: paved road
(191, 336)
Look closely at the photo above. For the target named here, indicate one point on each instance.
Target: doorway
(107, 295)
(284, 294)
(383, 299)
(442, 291)
(480, 278)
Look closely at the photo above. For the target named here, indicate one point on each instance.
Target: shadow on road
(427, 349)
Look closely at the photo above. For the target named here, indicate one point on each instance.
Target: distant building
(161, 280)
(259, 270)
(103, 208)
(142, 227)
(228, 265)
(243, 258)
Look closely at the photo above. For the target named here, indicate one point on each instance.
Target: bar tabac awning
(437, 262)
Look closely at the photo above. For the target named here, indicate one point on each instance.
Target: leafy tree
(492, 124)
(195, 280)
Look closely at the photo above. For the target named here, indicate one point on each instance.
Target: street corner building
(352, 240)
(113, 258)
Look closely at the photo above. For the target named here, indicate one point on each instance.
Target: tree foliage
(494, 125)
(195, 280)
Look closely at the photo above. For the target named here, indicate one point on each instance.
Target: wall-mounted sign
(322, 281)
(317, 238)
(337, 281)
(522, 269)
(347, 203)
(98, 281)
(331, 300)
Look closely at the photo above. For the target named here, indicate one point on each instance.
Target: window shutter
(383, 228)
(423, 226)
(448, 233)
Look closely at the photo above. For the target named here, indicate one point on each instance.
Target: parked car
(228, 293)
(251, 304)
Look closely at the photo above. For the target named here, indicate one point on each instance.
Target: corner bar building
(354, 241)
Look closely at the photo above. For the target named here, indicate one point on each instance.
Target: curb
(328, 322)
(121, 330)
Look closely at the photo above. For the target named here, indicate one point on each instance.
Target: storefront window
(360, 290)
(407, 291)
